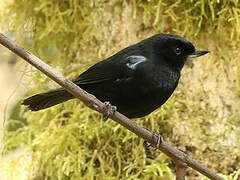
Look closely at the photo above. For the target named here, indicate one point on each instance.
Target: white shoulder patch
(134, 61)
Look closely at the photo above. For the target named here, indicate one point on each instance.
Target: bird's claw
(147, 150)
(157, 145)
(158, 138)
(108, 110)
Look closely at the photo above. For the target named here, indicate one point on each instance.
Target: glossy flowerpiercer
(137, 80)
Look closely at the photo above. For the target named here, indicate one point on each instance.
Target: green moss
(70, 141)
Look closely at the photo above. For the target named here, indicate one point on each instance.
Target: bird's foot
(108, 110)
(159, 139)
(147, 150)
(157, 145)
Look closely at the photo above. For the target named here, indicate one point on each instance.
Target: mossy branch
(91, 101)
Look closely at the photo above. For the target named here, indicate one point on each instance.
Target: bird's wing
(111, 69)
(134, 61)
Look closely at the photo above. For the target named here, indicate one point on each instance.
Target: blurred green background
(70, 141)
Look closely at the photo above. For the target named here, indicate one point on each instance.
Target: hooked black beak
(198, 53)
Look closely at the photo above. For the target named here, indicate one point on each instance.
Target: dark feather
(138, 79)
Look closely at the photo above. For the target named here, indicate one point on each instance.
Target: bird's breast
(168, 80)
(155, 79)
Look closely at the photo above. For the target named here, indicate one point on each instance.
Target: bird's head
(174, 50)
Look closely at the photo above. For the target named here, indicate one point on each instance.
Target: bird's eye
(178, 51)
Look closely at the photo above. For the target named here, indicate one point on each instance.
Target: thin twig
(92, 102)
(181, 168)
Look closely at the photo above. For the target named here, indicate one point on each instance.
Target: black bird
(137, 80)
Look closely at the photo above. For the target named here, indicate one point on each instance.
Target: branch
(92, 102)
(181, 168)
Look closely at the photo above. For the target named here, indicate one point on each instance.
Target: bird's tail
(47, 99)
